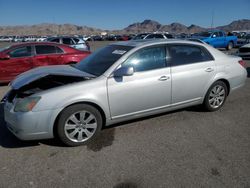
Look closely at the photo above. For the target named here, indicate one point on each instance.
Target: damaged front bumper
(30, 125)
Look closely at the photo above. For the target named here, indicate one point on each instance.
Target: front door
(149, 88)
(20, 61)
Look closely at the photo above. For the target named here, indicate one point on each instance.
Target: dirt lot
(185, 148)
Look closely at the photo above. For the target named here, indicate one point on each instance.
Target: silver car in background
(74, 42)
(119, 82)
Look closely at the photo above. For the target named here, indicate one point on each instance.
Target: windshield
(98, 62)
(205, 34)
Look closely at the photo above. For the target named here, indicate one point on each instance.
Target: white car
(75, 42)
(153, 36)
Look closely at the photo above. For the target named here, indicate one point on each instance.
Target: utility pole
(212, 22)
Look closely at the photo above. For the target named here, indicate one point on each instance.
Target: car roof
(141, 43)
(38, 43)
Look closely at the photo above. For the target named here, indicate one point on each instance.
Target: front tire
(79, 124)
(216, 96)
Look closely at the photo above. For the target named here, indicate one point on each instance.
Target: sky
(118, 14)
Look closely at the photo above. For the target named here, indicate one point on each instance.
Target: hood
(38, 73)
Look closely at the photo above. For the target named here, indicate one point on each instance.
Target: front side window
(45, 49)
(220, 34)
(21, 52)
(147, 59)
(187, 54)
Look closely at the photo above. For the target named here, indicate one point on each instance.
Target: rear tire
(230, 45)
(79, 124)
(216, 96)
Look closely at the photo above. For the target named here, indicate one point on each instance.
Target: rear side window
(147, 59)
(68, 41)
(155, 36)
(45, 49)
(55, 40)
(21, 52)
(187, 54)
(58, 50)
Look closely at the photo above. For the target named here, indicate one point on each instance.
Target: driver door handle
(209, 69)
(163, 78)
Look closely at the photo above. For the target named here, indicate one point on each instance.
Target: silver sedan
(119, 82)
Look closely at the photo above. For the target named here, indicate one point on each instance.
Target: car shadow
(105, 138)
(3, 84)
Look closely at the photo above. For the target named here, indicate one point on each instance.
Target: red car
(19, 58)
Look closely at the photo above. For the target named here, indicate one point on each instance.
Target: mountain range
(145, 26)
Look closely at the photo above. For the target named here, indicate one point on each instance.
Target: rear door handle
(209, 69)
(164, 78)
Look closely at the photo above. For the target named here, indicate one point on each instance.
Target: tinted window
(76, 40)
(55, 40)
(169, 36)
(99, 61)
(68, 41)
(58, 50)
(185, 54)
(45, 49)
(220, 34)
(21, 52)
(140, 36)
(147, 59)
(155, 36)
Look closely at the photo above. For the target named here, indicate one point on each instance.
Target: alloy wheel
(217, 96)
(80, 126)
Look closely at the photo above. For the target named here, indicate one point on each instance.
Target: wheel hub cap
(217, 96)
(80, 126)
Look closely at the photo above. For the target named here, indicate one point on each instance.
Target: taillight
(242, 63)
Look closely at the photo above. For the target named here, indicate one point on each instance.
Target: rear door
(47, 55)
(19, 62)
(192, 69)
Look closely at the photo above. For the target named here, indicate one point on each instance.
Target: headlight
(26, 104)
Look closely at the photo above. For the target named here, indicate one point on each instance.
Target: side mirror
(4, 57)
(124, 71)
(214, 36)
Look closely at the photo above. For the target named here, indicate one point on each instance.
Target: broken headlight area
(42, 84)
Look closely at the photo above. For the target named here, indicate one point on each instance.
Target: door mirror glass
(124, 71)
(214, 36)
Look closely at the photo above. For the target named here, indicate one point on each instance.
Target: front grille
(244, 50)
